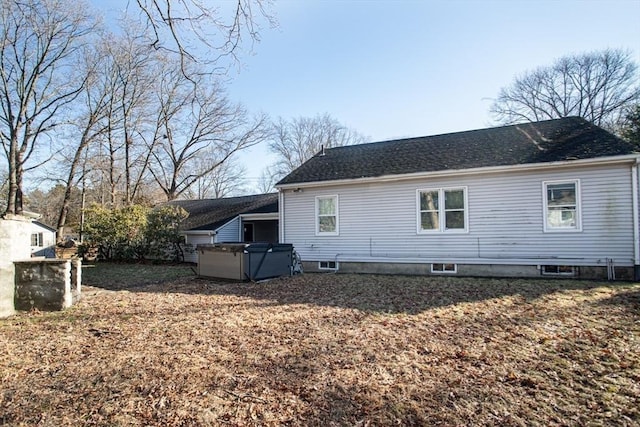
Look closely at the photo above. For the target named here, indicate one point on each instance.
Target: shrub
(135, 232)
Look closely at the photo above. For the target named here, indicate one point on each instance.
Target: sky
(393, 69)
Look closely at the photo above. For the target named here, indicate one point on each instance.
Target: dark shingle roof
(209, 214)
(569, 138)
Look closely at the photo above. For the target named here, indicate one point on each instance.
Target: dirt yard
(153, 345)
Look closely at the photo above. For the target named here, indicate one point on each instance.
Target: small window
(562, 206)
(443, 209)
(37, 240)
(327, 215)
(444, 268)
(558, 270)
(328, 265)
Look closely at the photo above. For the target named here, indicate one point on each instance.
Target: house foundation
(475, 270)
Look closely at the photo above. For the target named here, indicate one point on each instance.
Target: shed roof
(43, 225)
(569, 138)
(210, 214)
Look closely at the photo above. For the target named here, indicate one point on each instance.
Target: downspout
(636, 230)
(281, 215)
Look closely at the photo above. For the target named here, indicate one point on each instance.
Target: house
(556, 197)
(234, 219)
(43, 239)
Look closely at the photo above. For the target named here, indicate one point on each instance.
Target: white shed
(43, 240)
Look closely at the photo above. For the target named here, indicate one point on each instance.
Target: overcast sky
(393, 69)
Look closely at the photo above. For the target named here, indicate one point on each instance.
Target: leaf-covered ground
(325, 350)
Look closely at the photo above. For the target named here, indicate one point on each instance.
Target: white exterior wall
(378, 221)
(48, 236)
(15, 244)
(192, 241)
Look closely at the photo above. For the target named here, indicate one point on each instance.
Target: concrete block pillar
(76, 279)
(43, 285)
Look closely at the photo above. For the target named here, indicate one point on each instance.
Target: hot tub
(245, 261)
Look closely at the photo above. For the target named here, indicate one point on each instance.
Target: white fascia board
(259, 216)
(612, 160)
(199, 232)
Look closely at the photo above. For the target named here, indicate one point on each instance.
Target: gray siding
(378, 222)
(230, 232)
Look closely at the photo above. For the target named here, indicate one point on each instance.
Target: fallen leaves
(327, 350)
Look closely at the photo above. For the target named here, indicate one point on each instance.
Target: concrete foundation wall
(15, 244)
(470, 270)
(47, 285)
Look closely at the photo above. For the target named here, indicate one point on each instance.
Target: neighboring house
(233, 219)
(43, 240)
(557, 197)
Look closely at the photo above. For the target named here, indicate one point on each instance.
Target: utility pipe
(636, 230)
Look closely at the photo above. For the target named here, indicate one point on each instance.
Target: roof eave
(259, 216)
(199, 232)
(609, 160)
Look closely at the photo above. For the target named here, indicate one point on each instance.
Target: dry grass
(328, 350)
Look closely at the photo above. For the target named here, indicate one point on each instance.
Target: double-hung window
(562, 205)
(37, 240)
(442, 209)
(327, 216)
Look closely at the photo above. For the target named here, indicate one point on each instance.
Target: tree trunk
(18, 192)
(127, 172)
(13, 181)
(62, 218)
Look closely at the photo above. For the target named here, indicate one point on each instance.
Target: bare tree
(47, 204)
(126, 79)
(225, 180)
(630, 129)
(4, 188)
(179, 26)
(89, 125)
(297, 140)
(598, 86)
(192, 119)
(135, 71)
(39, 41)
(267, 180)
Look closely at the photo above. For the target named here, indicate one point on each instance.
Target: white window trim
(317, 217)
(441, 211)
(443, 271)
(335, 267)
(39, 239)
(569, 274)
(578, 227)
